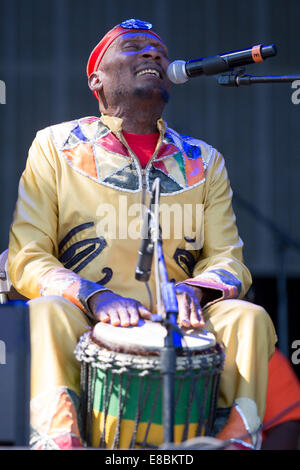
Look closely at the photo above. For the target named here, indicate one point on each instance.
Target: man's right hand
(109, 307)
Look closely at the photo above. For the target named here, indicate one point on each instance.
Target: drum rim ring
(88, 351)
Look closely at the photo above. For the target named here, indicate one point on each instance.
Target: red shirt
(143, 145)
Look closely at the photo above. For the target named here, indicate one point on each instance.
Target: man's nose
(151, 51)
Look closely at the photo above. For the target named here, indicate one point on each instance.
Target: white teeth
(153, 71)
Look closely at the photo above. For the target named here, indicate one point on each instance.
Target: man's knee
(237, 308)
(49, 300)
(249, 319)
(54, 310)
(254, 314)
(251, 312)
(240, 314)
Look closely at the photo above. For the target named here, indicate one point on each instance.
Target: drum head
(148, 338)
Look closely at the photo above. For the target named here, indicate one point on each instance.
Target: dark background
(44, 47)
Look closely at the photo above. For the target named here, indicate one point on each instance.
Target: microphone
(180, 71)
(146, 249)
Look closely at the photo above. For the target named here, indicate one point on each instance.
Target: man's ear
(95, 82)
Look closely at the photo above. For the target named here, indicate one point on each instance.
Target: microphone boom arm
(238, 78)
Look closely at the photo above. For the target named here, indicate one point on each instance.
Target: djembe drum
(121, 385)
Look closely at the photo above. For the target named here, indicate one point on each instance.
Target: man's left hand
(189, 306)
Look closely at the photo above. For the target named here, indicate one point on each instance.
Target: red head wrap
(100, 49)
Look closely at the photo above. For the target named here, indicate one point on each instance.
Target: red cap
(100, 49)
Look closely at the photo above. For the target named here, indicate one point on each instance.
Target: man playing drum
(77, 266)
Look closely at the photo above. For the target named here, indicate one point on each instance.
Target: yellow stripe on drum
(127, 427)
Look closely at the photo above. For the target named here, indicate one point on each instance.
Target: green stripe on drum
(134, 397)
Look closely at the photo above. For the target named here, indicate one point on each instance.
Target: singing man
(75, 275)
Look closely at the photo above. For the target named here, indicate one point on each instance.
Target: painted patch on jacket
(65, 283)
(112, 144)
(82, 158)
(172, 169)
(219, 279)
(167, 149)
(184, 167)
(55, 420)
(228, 279)
(92, 149)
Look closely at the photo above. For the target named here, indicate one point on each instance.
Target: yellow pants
(245, 329)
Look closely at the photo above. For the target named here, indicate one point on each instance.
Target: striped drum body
(122, 385)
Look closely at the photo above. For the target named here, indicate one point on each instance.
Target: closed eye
(133, 47)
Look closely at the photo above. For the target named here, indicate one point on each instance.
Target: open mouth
(149, 71)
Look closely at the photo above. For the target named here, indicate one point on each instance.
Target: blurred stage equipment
(14, 364)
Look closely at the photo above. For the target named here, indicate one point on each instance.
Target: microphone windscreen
(176, 72)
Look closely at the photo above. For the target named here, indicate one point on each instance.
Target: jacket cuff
(221, 280)
(78, 291)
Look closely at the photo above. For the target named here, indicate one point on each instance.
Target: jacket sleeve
(220, 265)
(33, 265)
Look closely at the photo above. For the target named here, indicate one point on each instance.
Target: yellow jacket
(76, 227)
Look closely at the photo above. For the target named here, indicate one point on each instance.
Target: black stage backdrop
(44, 46)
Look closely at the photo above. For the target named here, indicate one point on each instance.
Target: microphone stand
(166, 297)
(167, 306)
(239, 77)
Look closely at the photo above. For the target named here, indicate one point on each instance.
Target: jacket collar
(115, 124)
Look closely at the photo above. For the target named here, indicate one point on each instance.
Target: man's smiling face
(135, 64)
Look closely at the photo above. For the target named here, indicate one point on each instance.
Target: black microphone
(146, 249)
(180, 71)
